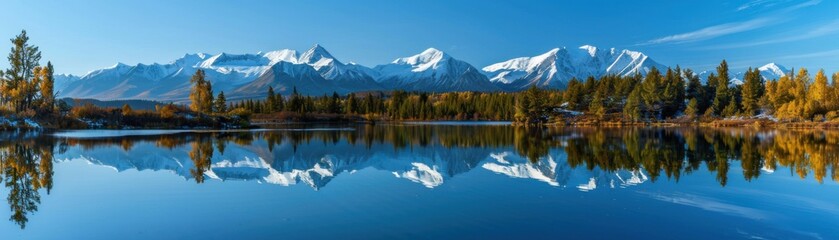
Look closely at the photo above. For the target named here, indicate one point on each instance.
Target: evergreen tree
(710, 93)
(574, 95)
(279, 103)
(335, 103)
(221, 103)
(652, 91)
(692, 110)
(722, 96)
(296, 102)
(731, 109)
(753, 90)
(270, 101)
(694, 86)
(530, 106)
(598, 105)
(351, 105)
(634, 105)
(673, 98)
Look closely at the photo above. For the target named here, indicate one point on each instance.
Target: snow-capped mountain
(770, 71)
(349, 78)
(432, 70)
(773, 71)
(556, 67)
(314, 72)
(317, 72)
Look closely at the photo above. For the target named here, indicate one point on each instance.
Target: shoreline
(262, 123)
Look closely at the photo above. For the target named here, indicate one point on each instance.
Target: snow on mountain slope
(773, 71)
(347, 78)
(245, 74)
(432, 70)
(317, 72)
(284, 77)
(556, 67)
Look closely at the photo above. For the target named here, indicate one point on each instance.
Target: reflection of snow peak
(316, 167)
(637, 177)
(542, 171)
(259, 169)
(421, 173)
(591, 185)
(559, 173)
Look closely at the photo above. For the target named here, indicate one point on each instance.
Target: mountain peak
(118, 65)
(592, 50)
(556, 67)
(430, 56)
(431, 51)
(775, 69)
(284, 55)
(315, 54)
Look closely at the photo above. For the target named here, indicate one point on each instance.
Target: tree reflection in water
(26, 166)
(26, 163)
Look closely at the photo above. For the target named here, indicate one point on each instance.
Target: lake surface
(421, 181)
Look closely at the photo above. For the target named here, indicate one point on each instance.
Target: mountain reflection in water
(583, 159)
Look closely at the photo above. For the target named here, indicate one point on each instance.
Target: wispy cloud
(735, 27)
(802, 5)
(758, 3)
(822, 30)
(771, 3)
(714, 31)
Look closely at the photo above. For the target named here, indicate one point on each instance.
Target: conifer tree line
(661, 94)
(26, 88)
(399, 105)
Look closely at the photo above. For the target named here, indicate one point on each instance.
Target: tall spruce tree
(634, 105)
(752, 92)
(220, 104)
(722, 95)
(653, 92)
(270, 100)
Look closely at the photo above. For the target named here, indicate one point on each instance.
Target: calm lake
(413, 180)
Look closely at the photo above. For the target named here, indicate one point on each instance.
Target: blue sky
(79, 36)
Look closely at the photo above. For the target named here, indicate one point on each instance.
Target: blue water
(431, 182)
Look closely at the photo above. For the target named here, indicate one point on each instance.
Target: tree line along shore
(662, 97)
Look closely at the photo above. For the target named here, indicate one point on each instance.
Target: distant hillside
(135, 104)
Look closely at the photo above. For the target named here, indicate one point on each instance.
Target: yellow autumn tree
(47, 88)
(818, 94)
(201, 96)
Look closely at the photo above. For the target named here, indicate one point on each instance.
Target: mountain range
(317, 72)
